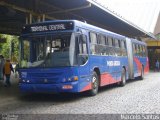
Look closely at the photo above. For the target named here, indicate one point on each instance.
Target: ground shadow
(14, 91)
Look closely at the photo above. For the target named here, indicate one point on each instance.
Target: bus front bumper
(49, 88)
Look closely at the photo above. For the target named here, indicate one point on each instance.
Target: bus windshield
(48, 51)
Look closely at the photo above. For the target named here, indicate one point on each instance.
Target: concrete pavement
(138, 96)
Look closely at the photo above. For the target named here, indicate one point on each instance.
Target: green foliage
(5, 48)
(158, 36)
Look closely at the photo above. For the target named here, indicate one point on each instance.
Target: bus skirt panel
(49, 88)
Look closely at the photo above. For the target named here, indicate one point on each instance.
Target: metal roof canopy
(13, 14)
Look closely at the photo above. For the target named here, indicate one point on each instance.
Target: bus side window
(123, 48)
(134, 49)
(83, 54)
(110, 41)
(102, 39)
(141, 51)
(93, 38)
(117, 47)
(101, 46)
(144, 51)
(93, 41)
(106, 40)
(123, 45)
(111, 44)
(117, 43)
(82, 44)
(138, 50)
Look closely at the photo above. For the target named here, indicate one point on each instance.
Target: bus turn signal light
(75, 78)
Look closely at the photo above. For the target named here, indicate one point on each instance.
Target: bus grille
(40, 78)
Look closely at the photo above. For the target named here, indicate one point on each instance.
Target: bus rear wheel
(94, 85)
(123, 78)
(142, 74)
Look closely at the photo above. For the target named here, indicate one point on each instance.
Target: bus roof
(78, 24)
(97, 29)
(139, 42)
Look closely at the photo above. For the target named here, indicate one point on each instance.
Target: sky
(142, 13)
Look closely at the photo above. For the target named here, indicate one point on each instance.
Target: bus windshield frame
(48, 50)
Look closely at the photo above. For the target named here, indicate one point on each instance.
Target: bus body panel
(110, 67)
(48, 80)
(109, 73)
(135, 61)
(146, 67)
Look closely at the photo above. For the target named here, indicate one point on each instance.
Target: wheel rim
(94, 83)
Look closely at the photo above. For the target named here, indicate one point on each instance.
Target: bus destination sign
(47, 27)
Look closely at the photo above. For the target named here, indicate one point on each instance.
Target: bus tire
(123, 78)
(142, 74)
(94, 85)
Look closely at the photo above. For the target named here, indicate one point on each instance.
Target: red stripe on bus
(146, 68)
(138, 63)
(107, 79)
(87, 87)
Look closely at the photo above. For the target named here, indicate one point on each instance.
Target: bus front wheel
(94, 84)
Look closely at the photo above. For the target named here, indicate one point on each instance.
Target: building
(146, 15)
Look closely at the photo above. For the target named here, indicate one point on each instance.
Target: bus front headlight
(24, 74)
(70, 79)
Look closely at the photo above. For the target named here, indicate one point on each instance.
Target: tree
(5, 48)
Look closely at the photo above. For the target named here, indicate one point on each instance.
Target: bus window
(134, 49)
(123, 44)
(118, 50)
(145, 48)
(141, 50)
(57, 42)
(138, 50)
(25, 56)
(50, 51)
(83, 54)
(144, 51)
(38, 45)
(93, 38)
(117, 43)
(111, 50)
(106, 40)
(56, 45)
(101, 48)
(113, 42)
(82, 45)
(110, 41)
(102, 39)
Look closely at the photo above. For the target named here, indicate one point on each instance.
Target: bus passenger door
(84, 74)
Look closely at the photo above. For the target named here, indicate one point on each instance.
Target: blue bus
(73, 56)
